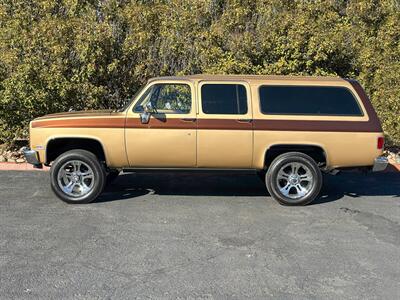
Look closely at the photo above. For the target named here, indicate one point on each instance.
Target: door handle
(189, 119)
(245, 120)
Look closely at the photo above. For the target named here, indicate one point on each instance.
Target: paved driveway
(200, 236)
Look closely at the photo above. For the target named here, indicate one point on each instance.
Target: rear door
(225, 130)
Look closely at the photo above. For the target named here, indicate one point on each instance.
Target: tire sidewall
(88, 158)
(278, 163)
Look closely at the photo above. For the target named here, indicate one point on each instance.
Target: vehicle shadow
(358, 184)
(132, 185)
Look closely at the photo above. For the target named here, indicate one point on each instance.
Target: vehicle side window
(227, 99)
(167, 98)
(308, 100)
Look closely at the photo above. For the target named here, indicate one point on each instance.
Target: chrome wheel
(295, 180)
(76, 178)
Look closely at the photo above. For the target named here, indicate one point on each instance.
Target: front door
(225, 130)
(169, 138)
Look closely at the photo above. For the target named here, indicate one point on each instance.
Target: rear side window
(230, 99)
(308, 100)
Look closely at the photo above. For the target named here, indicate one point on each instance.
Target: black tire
(291, 185)
(111, 176)
(85, 157)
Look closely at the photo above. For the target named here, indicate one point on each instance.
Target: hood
(78, 114)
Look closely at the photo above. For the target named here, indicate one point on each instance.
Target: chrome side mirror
(145, 117)
(149, 108)
(145, 112)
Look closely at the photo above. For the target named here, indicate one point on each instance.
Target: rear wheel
(77, 176)
(294, 179)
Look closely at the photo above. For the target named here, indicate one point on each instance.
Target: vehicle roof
(199, 77)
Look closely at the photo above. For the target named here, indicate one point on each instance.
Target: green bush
(57, 55)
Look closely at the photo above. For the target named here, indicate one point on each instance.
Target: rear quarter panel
(347, 141)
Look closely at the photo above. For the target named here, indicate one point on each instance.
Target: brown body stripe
(81, 123)
(224, 124)
(293, 125)
(161, 123)
(210, 124)
(373, 125)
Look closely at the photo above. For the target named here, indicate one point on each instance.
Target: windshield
(129, 101)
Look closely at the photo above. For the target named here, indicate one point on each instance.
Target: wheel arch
(56, 145)
(315, 151)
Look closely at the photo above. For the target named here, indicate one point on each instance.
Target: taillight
(381, 142)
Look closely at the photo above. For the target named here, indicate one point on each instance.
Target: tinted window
(228, 99)
(308, 100)
(167, 98)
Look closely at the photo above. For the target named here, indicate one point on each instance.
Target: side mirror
(149, 108)
(145, 117)
(145, 112)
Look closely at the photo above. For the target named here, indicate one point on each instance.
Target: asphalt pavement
(201, 236)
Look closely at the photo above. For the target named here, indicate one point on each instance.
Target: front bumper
(380, 164)
(32, 157)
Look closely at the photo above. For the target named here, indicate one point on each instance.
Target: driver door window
(167, 99)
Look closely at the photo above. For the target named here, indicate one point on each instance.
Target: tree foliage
(84, 54)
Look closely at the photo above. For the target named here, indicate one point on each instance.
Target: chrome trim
(145, 117)
(31, 157)
(380, 164)
(189, 169)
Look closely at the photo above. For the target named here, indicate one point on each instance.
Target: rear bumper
(32, 157)
(380, 164)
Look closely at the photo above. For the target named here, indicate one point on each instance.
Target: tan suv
(287, 129)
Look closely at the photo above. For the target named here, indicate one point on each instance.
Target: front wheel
(294, 178)
(77, 176)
